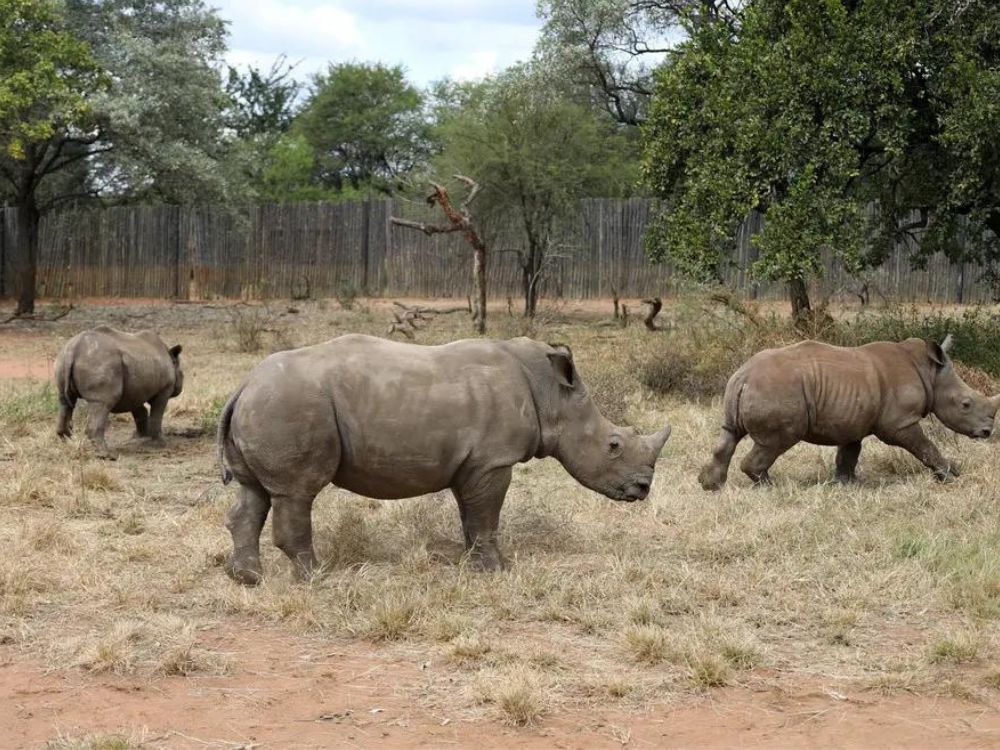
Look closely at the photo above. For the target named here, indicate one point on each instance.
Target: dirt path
(292, 692)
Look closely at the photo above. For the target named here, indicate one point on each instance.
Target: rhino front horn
(658, 439)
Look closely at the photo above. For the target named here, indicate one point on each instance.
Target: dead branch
(655, 305)
(427, 229)
(58, 316)
(729, 301)
(394, 328)
(614, 299)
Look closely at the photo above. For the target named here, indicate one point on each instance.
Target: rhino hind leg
(479, 502)
(97, 425)
(759, 460)
(847, 462)
(64, 427)
(245, 519)
(713, 474)
(291, 528)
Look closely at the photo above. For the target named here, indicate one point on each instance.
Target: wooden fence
(317, 249)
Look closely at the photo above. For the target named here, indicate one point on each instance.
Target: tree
(613, 46)
(118, 99)
(535, 152)
(366, 125)
(261, 104)
(811, 112)
(47, 74)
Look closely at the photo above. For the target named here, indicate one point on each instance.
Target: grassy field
(114, 568)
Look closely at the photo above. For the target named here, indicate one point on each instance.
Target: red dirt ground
(293, 692)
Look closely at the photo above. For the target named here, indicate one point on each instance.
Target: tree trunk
(479, 277)
(530, 276)
(26, 255)
(798, 293)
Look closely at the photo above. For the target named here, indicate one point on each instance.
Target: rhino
(392, 420)
(832, 395)
(117, 372)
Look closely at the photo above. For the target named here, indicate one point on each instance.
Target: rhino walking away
(393, 420)
(831, 395)
(117, 372)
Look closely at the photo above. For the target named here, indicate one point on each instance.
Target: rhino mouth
(630, 492)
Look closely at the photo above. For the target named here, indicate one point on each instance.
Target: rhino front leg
(291, 529)
(141, 417)
(760, 459)
(713, 474)
(97, 425)
(847, 462)
(245, 519)
(156, 409)
(480, 499)
(914, 440)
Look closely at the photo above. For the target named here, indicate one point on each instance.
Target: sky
(431, 39)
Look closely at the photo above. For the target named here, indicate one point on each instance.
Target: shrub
(248, 325)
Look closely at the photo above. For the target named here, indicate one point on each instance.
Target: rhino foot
(156, 442)
(486, 560)
(107, 454)
(245, 572)
(711, 478)
(951, 471)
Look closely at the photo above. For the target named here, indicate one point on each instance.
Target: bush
(347, 294)
(248, 325)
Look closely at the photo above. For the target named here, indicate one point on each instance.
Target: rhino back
(407, 418)
(821, 393)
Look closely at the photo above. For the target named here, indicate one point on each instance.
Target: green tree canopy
(115, 99)
(812, 111)
(367, 127)
(535, 151)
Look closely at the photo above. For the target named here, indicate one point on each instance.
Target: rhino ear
(175, 351)
(937, 353)
(562, 365)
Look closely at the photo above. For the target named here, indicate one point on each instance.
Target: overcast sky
(430, 38)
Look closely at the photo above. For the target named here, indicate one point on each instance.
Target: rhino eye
(614, 445)
(966, 404)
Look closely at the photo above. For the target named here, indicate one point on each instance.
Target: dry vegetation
(893, 584)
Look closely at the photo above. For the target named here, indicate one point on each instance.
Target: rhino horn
(658, 439)
(947, 343)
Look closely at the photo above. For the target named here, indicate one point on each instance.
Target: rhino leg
(245, 519)
(156, 408)
(713, 474)
(914, 440)
(291, 529)
(760, 458)
(97, 425)
(847, 462)
(480, 499)
(64, 428)
(141, 417)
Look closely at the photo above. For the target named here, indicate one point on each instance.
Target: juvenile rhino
(117, 372)
(831, 395)
(393, 420)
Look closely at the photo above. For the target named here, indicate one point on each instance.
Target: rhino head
(616, 461)
(175, 360)
(958, 406)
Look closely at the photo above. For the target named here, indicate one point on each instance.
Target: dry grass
(893, 583)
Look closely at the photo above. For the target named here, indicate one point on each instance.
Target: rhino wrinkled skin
(830, 395)
(393, 420)
(117, 372)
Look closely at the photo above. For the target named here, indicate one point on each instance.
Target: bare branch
(427, 229)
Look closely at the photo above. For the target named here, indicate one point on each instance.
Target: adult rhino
(831, 395)
(117, 372)
(392, 420)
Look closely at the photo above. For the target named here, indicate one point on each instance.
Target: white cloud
(431, 39)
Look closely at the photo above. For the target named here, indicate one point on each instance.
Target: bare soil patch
(287, 691)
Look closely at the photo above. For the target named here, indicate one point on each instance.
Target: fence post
(3, 251)
(960, 292)
(366, 220)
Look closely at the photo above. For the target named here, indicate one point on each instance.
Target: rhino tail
(65, 386)
(225, 422)
(732, 420)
